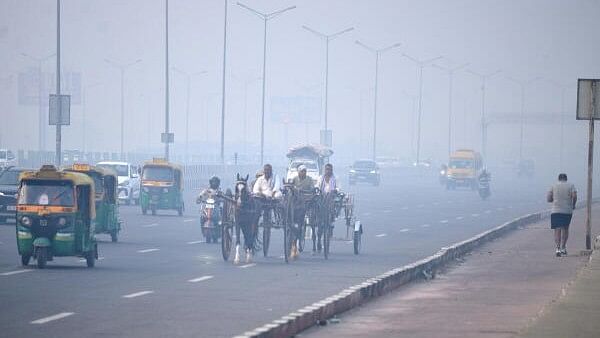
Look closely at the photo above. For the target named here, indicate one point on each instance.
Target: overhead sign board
(588, 99)
(167, 137)
(60, 110)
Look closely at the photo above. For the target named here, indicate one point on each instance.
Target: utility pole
(327, 38)
(377, 53)
(483, 78)
(223, 89)
(166, 138)
(265, 17)
(450, 72)
(421, 64)
(522, 84)
(122, 68)
(58, 154)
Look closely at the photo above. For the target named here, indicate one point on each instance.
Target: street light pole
(58, 155)
(223, 89)
(421, 64)
(522, 84)
(122, 68)
(483, 78)
(377, 53)
(450, 72)
(327, 38)
(166, 140)
(265, 17)
(188, 81)
(41, 103)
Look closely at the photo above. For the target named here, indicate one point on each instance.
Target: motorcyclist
(213, 191)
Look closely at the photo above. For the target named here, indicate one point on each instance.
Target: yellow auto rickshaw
(162, 187)
(55, 216)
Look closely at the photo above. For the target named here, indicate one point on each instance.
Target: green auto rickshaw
(107, 208)
(55, 216)
(162, 187)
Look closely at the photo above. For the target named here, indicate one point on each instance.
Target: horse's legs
(314, 237)
(237, 244)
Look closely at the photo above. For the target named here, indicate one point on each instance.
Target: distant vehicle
(9, 184)
(464, 167)
(388, 162)
(443, 176)
(128, 190)
(7, 158)
(526, 168)
(162, 187)
(312, 169)
(313, 157)
(364, 171)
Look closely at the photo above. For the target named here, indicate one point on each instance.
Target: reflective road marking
(10, 273)
(51, 318)
(444, 221)
(475, 215)
(404, 230)
(381, 235)
(200, 279)
(425, 226)
(189, 220)
(150, 225)
(137, 294)
(147, 250)
(459, 218)
(247, 266)
(195, 242)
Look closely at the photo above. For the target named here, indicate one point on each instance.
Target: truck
(314, 157)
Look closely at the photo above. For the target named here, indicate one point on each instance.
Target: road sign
(60, 110)
(167, 137)
(588, 99)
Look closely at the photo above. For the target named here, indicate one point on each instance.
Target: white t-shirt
(562, 194)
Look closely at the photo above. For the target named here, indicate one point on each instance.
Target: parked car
(9, 184)
(7, 158)
(364, 171)
(128, 190)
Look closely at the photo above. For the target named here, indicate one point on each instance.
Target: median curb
(372, 288)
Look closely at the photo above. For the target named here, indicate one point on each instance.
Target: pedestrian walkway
(503, 289)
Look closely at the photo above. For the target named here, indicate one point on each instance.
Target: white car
(312, 169)
(7, 158)
(128, 190)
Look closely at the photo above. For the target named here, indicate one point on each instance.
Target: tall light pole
(483, 77)
(377, 53)
(450, 72)
(327, 38)
(522, 84)
(223, 89)
(166, 138)
(84, 112)
(188, 78)
(122, 68)
(421, 64)
(265, 17)
(41, 103)
(58, 152)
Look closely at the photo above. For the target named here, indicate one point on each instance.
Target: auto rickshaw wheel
(113, 236)
(25, 259)
(144, 210)
(180, 210)
(42, 256)
(90, 258)
(153, 210)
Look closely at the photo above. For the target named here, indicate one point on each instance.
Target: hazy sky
(525, 39)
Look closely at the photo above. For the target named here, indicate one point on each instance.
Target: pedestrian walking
(563, 197)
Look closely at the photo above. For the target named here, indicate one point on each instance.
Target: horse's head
(241, 190)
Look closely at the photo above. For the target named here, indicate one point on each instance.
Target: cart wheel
(113, 236)
(90, 260)
(266, 240)
(326, 240)
(42, 257)
(357, 242)
(226, 241)
(25, 260)
(286, 243)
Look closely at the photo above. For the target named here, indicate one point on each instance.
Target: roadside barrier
(359, 294)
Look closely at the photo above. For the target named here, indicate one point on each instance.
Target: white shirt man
(267, 185)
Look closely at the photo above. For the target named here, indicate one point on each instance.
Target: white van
(129, 181)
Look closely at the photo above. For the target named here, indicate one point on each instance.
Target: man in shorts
(563, 197)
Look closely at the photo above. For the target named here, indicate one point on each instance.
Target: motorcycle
(210, 219)
(484, 186)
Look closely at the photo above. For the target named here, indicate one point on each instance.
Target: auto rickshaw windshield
(52, 193)
(98, 183)
(9, 177)
(460, 164)
(158, 173)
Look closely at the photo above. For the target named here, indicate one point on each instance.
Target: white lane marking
(500, 209)
(53, 317)
(247, 266)
(188, 220)
(444, 221)
(147, 250)
(10, 273)
(475, 215)
(149, 225)
(195, 242)
(436, 203)
(85, 260)
(404, 208)
(459, 218)
(488, 211)
(137, 294)
(420, 205)
(381, 235)
(387, 211)
(366, 213)
(425, 226)
(200, 279)
(404, 230)
(510, 207)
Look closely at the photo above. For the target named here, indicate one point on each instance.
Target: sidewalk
(511, 286)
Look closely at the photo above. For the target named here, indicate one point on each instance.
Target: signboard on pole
(588, 99)
(167, 137)
(60, 110)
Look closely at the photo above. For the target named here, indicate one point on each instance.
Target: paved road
(161, 280)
